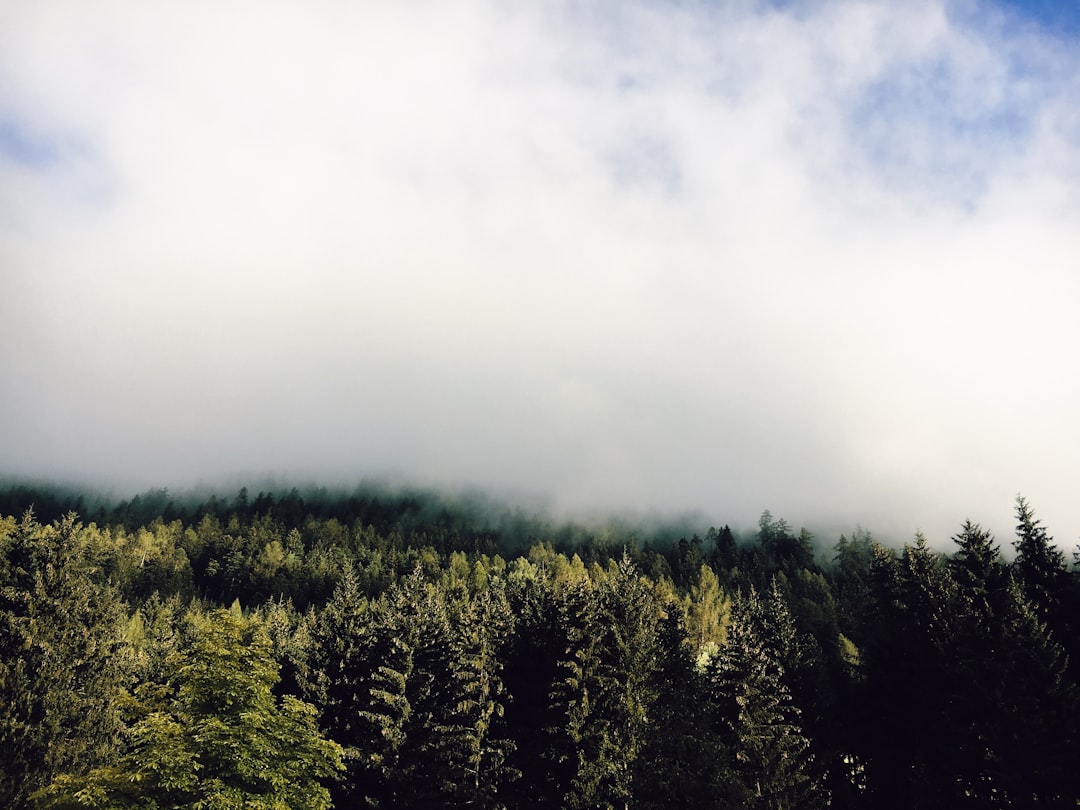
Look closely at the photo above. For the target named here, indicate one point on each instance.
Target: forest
(397, 649)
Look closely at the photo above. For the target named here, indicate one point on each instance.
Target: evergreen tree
(609, 685)
(473, 748)
(981, 580)
(223, 740)
(382, 689)
(906, 686)
(757, 722)
(1040, 568)
(683, 763)
(723, 552)
(532, 659)
(708, 611)
(850, 583)
(60, 624)
(1007, 728)
(337, 678)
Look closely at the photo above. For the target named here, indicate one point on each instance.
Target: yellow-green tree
(218, 739)
(708, 612)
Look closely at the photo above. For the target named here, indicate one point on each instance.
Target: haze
(820, 258)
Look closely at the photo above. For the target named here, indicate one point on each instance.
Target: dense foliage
(394, 651)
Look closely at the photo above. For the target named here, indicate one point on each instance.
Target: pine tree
(473, 748)
(906, 687)
(60, 624)
(977, 570)
(532, 668)
(850, 582)
(336, 679)
(391, 686)
(682, 762)
(610, 684)
(1006, 732)
(757, 721)
(223, 740)
(1036, 743)
(708, 611)
(1039, 564)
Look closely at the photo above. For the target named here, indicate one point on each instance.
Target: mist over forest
(512, 520)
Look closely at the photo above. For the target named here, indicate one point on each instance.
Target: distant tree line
(395, 651)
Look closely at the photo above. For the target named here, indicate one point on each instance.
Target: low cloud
(818, 258)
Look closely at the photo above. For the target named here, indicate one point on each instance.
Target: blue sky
(1060, 17)
(818, 258)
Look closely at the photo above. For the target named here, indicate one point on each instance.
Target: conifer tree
(222, 740)
(610, 685)
(473, 748)
(978, 571)
(1039, 564)
(532, 659)
(60, 624)
(1006, 730)
(389, 686)
(757, 722)
(708, 611)
(683, 762)
(907, 677)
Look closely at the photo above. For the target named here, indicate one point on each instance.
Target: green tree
(708, 611)
(906, 688)
(532, 667)
(756, 719)
(1039, 564)
(684, 763)
(850, 582)
(472, 747)
(610, 685)
(978, 571)
(397, 695)
(222, 740)
(60, 624)
(1006, 732)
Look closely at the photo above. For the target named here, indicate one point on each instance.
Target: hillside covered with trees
(399, 651)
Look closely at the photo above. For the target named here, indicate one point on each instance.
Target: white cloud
(692, 255)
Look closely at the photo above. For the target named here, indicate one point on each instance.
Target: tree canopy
(278, 652)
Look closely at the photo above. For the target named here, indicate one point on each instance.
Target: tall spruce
(472, 747)
(1039, 564)
(757, 722)
(60, 676)
(683, 763)
(532, 659)
(338, 678)
(609, 685)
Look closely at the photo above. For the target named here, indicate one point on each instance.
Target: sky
(821, 258)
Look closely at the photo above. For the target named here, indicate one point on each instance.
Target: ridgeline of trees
(395, 652)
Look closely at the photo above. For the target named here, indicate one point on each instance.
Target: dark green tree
(1040, 567)
(684, 763)
(756, 720)
(532, 668)
(60, 671)
(850, 582)
(907, 680)
(609, 685)
(472, 746)
(1006, 731)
